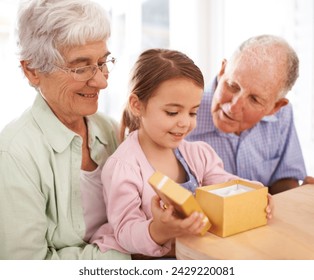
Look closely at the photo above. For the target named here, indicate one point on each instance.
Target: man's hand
(270, 207)
(308, 180)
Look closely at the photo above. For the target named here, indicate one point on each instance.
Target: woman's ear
(31, 74)
(135, 105)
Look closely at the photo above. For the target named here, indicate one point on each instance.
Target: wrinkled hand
(166, 225)
(270, 207)
(308, 180)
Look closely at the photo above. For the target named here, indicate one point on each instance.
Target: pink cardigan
(128, 194)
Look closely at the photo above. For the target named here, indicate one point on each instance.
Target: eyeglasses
(85, 73)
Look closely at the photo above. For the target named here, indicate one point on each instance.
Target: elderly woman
(50, 159)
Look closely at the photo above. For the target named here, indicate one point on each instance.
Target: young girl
(166, 91)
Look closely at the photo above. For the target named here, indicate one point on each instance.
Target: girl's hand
(166, 225)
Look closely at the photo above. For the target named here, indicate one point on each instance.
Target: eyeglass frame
(73, 71)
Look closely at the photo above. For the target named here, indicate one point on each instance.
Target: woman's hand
(166, 225)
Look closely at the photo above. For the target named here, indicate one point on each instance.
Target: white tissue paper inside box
(231, 190)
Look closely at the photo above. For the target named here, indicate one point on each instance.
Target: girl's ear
(135, 105)
(31, 74)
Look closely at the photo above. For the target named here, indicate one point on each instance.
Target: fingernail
(196, 214)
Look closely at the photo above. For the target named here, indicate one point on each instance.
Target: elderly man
(245, 116)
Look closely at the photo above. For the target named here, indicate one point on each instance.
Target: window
(136, 25)
(206, 30)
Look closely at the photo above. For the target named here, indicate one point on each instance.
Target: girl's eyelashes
(171, 113)
(192, 114)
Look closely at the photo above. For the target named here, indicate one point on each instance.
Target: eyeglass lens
(86, 73)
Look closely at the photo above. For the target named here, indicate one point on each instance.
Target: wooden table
(288, 235)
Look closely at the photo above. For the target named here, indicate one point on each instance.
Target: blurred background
(206, 30)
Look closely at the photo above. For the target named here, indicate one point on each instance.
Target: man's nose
(237, 103)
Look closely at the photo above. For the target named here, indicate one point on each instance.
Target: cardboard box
(234, 206)
(182, 199)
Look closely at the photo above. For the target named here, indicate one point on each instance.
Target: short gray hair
(44, 27)
(263, 45)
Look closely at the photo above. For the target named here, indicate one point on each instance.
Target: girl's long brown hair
(152, 68)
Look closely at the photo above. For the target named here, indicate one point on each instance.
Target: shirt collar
(271, 118)
(56, 133)
(95, 131)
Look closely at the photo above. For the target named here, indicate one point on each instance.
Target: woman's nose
(99, 80)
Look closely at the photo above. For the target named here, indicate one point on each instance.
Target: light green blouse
(41, 214)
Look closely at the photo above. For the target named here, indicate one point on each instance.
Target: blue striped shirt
(268, 152)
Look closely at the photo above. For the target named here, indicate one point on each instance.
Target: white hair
(45, 27)
(273, 49)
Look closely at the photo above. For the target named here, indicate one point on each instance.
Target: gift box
(234, 206)
(182, 199)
